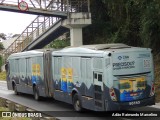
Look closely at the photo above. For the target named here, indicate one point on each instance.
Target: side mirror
(6, 67)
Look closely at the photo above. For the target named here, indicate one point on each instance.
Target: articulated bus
(102, 77)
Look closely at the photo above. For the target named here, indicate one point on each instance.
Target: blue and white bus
(102, 77)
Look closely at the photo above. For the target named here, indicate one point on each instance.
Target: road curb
(17, 108)
(3, 81)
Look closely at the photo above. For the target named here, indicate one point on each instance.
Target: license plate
(134, 103)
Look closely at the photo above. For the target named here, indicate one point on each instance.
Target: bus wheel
(36, 93)
(77, 103)
(15, 89)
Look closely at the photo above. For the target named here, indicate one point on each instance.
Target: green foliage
(1, 46)
(1, 62)
(3, 36)
(150, 25)
(2, 76)
(133, 22)
(59, 44)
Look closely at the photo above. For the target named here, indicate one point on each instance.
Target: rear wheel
(36, 93)
(77, 103)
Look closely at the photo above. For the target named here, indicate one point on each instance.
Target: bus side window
(100, 77)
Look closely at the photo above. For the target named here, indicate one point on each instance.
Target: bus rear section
(133, 79)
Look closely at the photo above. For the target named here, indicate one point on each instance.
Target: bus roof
(101, 46)
(30, 53)
(106, 46)
(98, 49)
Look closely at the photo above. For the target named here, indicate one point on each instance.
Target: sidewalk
(156, 106)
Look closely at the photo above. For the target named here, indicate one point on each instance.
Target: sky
(15, 23)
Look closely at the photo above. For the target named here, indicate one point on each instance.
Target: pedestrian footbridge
(54, 18)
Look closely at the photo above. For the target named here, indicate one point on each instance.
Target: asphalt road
(60, 109)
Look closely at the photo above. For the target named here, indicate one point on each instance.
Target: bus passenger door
(98, 90)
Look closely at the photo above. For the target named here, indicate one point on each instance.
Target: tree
(1, 46)
(58, 44)
(3, 36)
(1, 62)
(133, 22)
(150, 25)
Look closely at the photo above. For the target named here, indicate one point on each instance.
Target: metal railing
(52, 5)
(40, 25)
(38, 4)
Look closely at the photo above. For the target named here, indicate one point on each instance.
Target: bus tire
(15, 89)
(77, 103)
(36, 93)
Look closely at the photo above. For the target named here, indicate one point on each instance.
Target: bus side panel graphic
(35, 73)
(66, 79)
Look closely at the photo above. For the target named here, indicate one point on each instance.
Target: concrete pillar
(75, 22)
(76, 36)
